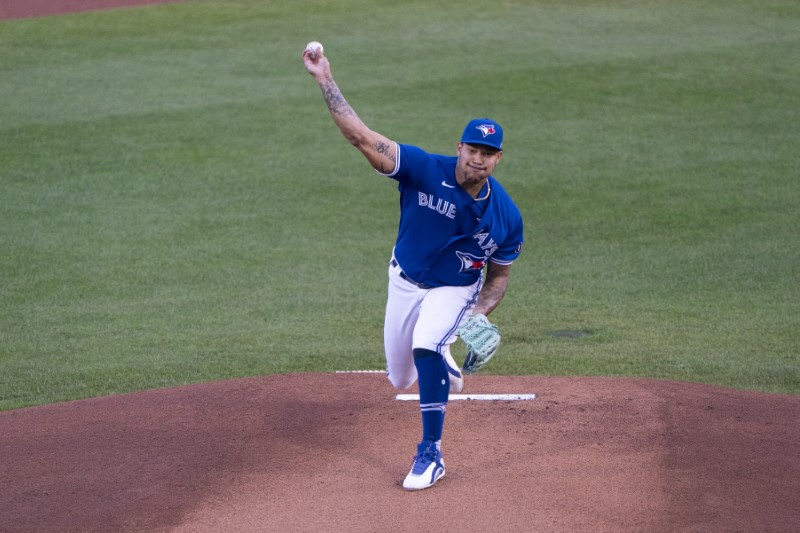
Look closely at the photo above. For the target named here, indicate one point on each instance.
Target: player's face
(475, 163)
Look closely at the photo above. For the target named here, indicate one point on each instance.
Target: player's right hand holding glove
(482, 339)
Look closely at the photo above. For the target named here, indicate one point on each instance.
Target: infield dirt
(328, 452)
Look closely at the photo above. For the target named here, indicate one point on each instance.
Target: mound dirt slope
(328, 452)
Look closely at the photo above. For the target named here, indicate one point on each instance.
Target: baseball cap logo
(491, 133)
(486, 129)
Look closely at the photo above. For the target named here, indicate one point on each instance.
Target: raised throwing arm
(378, 149)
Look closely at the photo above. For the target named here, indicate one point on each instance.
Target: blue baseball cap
(483, 131)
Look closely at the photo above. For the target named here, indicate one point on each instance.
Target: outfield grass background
(176, 205)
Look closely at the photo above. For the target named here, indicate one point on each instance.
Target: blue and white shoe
(456, 377)
(427, 469)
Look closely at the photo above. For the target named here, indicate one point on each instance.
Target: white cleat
(427, 469)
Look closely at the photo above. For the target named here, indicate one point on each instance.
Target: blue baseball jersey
(445, 236)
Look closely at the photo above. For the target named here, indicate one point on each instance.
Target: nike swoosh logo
(448, 185)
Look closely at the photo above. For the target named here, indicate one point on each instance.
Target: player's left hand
(482, 339)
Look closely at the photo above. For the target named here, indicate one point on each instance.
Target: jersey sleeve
(511, 248)
(394, 172)
(410, 165)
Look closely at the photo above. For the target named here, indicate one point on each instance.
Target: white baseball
(314, 48)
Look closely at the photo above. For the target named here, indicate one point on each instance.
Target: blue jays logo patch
(470, 262)
(486, 129)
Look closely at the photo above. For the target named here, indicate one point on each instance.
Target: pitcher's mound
(328, 452)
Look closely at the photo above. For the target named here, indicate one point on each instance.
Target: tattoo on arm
(493, 290)
(386, 150)
(335, 100)
(355, 131)
(491, 296)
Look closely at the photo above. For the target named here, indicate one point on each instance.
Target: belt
(403, 275)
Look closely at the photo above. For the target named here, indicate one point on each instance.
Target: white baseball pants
(421, 318)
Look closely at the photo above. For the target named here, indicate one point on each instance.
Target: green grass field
(176, 205)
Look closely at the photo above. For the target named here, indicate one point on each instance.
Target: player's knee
(401, 381)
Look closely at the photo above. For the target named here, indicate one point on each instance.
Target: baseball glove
(482, 339)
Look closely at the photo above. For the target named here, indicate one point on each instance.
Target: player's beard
(471, 177)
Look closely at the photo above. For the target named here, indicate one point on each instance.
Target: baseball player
(456, 221)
